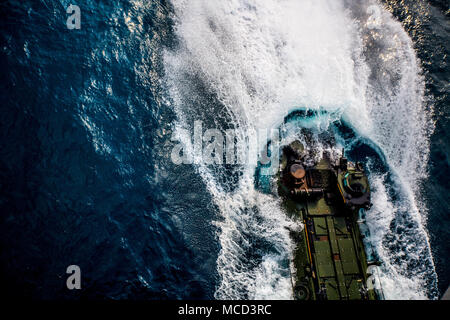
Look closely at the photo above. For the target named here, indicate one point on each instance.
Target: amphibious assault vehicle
(329, 197)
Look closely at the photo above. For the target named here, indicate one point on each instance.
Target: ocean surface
(89, 119)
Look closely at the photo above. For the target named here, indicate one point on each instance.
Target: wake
(245, 64)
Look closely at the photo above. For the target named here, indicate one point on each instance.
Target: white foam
(397, 281)
(263, 58)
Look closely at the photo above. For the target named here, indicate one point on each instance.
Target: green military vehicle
(330, 261)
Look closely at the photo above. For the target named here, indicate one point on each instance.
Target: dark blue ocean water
(68, 198)
(85, 176)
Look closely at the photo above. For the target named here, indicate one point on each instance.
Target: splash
(245, 64)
